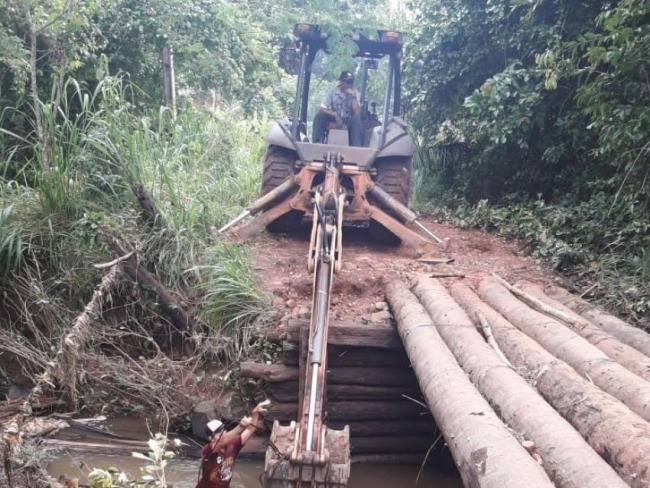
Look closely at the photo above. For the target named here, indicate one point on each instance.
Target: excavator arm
(307, 453)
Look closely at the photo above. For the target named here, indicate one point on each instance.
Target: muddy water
(182, 472)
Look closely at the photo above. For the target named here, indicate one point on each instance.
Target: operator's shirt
(217, 467)
(339, 102)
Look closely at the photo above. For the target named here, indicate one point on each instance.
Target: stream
(183, 472)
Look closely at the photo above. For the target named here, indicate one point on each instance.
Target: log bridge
(528, 386)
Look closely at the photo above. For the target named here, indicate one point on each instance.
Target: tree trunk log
(173, 308)
(632, 359)
(614, 431)
(568, 346)
(279, 373)
(351, 411)
(568, 459)
(624, 332)
(351, 356)
(478, 440)
(288, 392)
(383, 336)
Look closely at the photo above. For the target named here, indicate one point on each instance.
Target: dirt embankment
(358, 291)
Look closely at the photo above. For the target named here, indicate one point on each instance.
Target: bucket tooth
(284, 468)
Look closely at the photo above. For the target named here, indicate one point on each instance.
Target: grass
(233, 302)
(200, 169)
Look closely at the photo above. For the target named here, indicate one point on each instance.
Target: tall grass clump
(199, 169)
(233, 303)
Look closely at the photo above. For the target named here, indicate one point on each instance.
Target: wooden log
(612, 429)
(393, 428)
(477, 439)
(342, 334)
(173, 307)
(357, 410)
(568, 459)
(351, 356)
(624, 332)
(632, 359)
(272, 373)
(288, 392)
(278, 373)
(391, 445)
(567, 345)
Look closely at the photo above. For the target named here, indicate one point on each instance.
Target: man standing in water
(219, 454)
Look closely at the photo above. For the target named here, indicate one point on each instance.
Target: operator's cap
(346, 76)
(214, 426)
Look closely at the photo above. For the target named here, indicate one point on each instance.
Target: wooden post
(169, 83)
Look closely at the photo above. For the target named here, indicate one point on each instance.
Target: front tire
(394, 177)
(279, 164)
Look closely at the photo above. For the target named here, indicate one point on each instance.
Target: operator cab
(298, 58)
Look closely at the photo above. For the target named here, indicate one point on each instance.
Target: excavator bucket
(330, 468)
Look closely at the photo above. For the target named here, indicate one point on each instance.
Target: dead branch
(149, 211)
(449, 274)
(489, 337)
(114, 261)
(63, 368)
(173, 308)
(543, 307)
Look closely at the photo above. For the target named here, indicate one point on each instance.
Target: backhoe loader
(332, 185)
(375, 177)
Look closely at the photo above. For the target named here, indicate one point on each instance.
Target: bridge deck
(526, 391)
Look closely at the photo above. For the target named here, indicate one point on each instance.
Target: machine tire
(394, 177)
(278, 165)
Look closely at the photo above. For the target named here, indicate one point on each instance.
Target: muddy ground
(358, 291)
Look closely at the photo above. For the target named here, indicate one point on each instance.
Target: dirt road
(358, 291)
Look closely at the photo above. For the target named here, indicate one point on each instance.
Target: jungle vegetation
(532, 119)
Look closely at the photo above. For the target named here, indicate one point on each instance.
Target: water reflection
(183, 473)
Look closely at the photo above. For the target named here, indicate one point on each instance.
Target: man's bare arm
(250, 424)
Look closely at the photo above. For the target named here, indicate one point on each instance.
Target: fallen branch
(176, 311)
(489, 337)
(451, 274)
(114, 261)
(540, 305)
(435, 260)
(63, 368)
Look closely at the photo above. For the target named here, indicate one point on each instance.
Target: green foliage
(233, 300)
(545, 102)
(11, 243)
(611, 250)
(153, 472)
